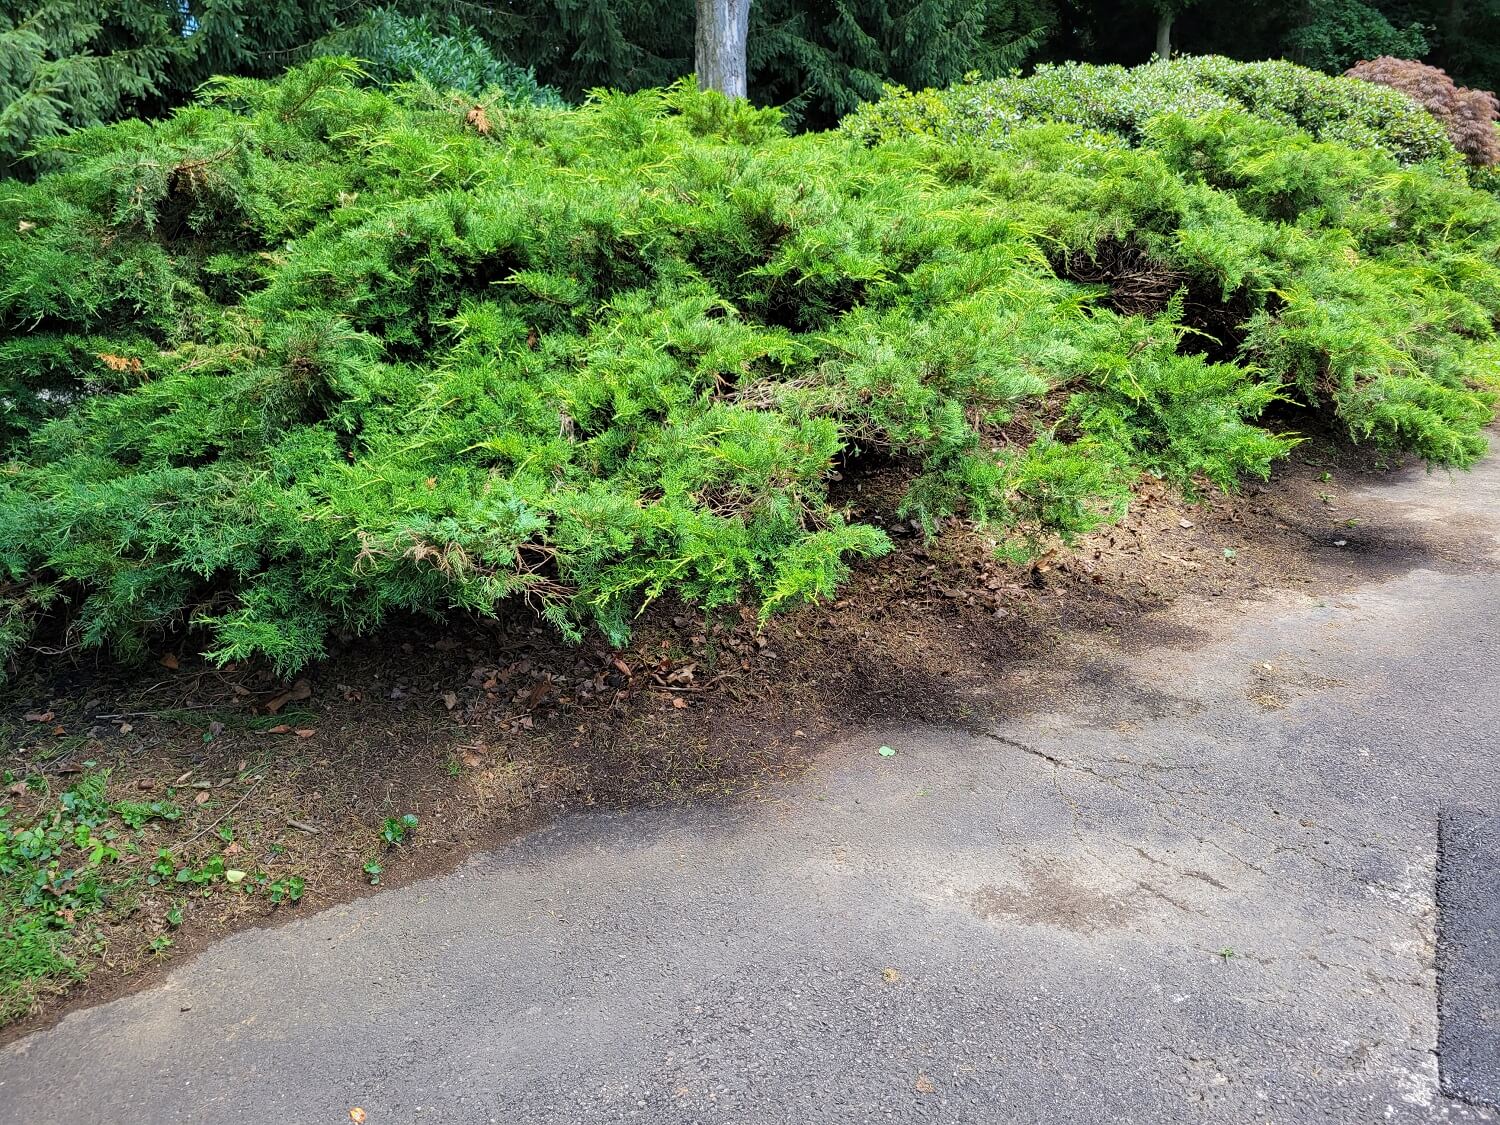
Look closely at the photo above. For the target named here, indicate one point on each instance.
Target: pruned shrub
(1467, 116)
(409, 360)
(1122, 101)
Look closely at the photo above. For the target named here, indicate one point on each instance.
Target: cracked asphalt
(1199, 888)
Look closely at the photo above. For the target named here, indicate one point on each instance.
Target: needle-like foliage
(310, 353)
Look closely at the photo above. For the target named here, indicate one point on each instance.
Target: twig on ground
(221, 817)
(155, 714)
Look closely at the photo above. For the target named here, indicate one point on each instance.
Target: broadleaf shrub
(1121, 101)
(311, 353)
(1467, 116)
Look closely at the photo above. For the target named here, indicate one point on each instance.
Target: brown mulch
(484, 729)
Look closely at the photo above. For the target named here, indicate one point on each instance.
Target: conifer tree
(66, 64)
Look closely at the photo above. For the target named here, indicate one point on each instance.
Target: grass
(31, 961)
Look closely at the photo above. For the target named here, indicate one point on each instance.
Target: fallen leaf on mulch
(201, 797)
(169, 661)
(450, 700)
(39, 716)
(301, 689)
(279, 728)
(306, 732)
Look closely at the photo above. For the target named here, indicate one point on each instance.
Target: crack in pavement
(846, 952)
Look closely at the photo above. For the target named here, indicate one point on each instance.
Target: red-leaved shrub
(1467, 115)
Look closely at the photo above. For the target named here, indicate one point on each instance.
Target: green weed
(137, 814)
(288, 890)
(64, 871)
(394, 831)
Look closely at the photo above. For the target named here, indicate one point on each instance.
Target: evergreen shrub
(310, 353)
(1122, 101)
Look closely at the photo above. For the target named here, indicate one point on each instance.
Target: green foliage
(137, 814)
(31, 959)
(398, 48)
(1467, 116)
(1327, 35)
(69, 64)
(821, 59)
(285, 890)
(1334, 34)
(72, 859)
(1123, 101)
(53, 869)
(53, 865)
(310, 354)
(814, 59)
(65, 64)
(395, 831)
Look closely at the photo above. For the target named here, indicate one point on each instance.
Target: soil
(484, 729)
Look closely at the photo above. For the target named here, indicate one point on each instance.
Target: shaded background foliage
(71, 63)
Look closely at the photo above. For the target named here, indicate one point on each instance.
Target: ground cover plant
(311, 353)
(479, 728)
(74, 854)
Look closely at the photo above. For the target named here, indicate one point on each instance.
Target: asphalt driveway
(1198, 887)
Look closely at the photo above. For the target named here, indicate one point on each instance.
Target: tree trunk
(719, 47)
(1164, 35)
